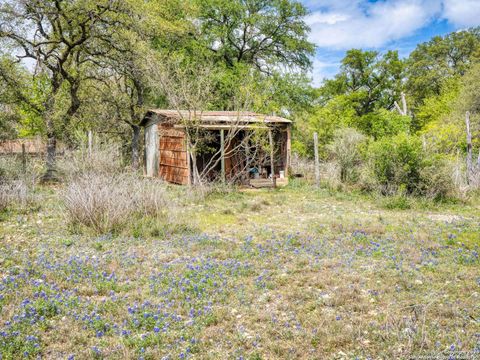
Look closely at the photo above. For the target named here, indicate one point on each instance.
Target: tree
(266, 40)
(444, 114)
(263, 33)
(9, 112)
(63, 38)
(439, 59)
(123, 86)
(126, 73)
(361, 96)
(370, 81)
(382, 123)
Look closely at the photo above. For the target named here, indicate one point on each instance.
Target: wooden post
(90, 143)
(317, 160)
(24, 160)
(272, 159)
(289, 152)
(469, 147)
(222, 147)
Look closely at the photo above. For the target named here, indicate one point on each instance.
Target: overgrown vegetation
(106, 70)
(107, 203)
(306, 270)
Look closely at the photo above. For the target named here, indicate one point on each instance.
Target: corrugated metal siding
(173, 156)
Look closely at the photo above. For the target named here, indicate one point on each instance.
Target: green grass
(290, 273)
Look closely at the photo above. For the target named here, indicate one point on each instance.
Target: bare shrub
(11, 169)
(330, 175)
(15, 193)
(104, 159)
(152, 198)
(303, 167)
(438, 180)
(345, 150)
(106, 203)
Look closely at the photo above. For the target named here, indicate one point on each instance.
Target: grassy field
(285, 274)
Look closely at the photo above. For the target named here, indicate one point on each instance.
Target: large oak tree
(61, 39)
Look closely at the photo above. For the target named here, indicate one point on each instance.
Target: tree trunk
(136, 147)
(197, 181)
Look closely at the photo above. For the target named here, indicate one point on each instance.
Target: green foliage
(359, 97)
(346, 151)
(401, 166)
(324, 120)
(16, 117)
(436, 107)
(435, 61)
(396, 202)
(396, 163)
(382, 123)
(246, 41)
(369, 80)
(262, 33)
(444, 114)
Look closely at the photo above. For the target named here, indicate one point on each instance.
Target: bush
(104, 159)
(400, 166)
(395, 164)
(11, 169)
(13, 193)
(106, 203)
(383, 123)
(396, 202)
(437, 178)
(346, 151)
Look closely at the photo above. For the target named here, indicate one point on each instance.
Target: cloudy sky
(339, 25)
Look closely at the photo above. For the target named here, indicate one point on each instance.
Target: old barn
(229, 150)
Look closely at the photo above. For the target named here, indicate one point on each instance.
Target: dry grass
(14, 193)
(104, 159)
(107, 203)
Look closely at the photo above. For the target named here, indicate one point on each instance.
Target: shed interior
(224, 156)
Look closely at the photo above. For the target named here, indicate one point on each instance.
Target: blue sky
(339, 25)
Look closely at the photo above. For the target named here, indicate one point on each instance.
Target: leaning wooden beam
(398, 108)
(272, 159)
(478, 162)
(404, 109)
(289, 152)
(90, 143)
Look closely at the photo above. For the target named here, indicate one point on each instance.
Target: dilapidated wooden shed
(229, 152)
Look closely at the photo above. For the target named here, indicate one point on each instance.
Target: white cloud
(354, 23)
(462, 13)
(323, 70)
(345, 24)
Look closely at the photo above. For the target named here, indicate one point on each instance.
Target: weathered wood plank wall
(173, 156)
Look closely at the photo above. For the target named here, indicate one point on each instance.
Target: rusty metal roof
(214, 117)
